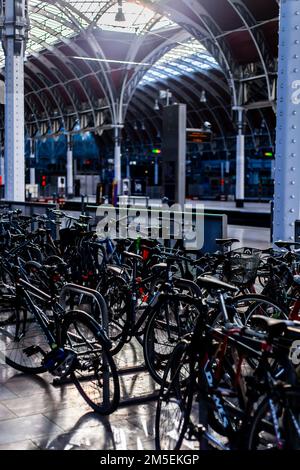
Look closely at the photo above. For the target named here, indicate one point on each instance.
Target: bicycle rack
(100, 302)
(136, 400)
(103, 314)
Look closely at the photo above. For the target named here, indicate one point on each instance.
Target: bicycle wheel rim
(94, 374)
(163, 332)
(174, 403)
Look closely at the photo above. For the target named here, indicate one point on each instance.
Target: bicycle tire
(94, 365)
(156, 360)
(118, 313)
(172, 401)
(259, 425)
(17, 334)
(258, 299)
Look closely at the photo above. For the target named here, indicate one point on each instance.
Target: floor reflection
(35, 414)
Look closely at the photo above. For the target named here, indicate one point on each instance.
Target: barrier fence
(212, 226)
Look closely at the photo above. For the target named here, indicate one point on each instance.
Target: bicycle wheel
(172, 406)
(94, 374)
(173, 317)
(242, 308)
(250, 305)
(19, 334)
(276, 423)
(118, 301)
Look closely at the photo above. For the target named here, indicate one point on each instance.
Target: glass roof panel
(137, 19)
(185, 58)
(52, 20)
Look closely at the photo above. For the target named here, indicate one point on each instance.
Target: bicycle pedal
(64, 369)
(32, 350)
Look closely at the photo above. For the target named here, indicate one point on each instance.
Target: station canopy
(83, 58)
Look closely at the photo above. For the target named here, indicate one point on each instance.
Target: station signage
(198, 136)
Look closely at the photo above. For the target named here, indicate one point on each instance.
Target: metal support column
(174, 153)
(117, 160)
(2, 166)
(287, 164)
(240, 159)
(156, 171)
(70, 168)
(14, 25)
(32, 162)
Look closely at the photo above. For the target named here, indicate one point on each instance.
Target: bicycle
(65, 343)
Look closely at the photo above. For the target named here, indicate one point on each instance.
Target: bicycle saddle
(134, 256)
(41, 231)
(212, 283)
(287, 245)
(159, 266)
(114, 269)
(226, 242)
(163, 267)
(274, 327)
(33, 265)
(55, 268)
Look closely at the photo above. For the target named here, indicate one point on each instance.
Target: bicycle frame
(254, 345)
(23, 288)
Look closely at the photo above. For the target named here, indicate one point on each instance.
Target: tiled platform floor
(35, 414)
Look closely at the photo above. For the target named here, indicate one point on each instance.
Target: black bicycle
(39, 335)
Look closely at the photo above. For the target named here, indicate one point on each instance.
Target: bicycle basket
(242, 265)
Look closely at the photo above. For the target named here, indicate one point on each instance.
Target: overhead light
(135, 126)
(203, 98)
(165, 94)
(207, 125)
(156, 106)
(120, 17)
(143, 126)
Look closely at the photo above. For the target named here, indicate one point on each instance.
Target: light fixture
(143, 126)
(156, 106)
(203, 98)
(120, 17)
(165, 95)
(135, 127)
(207, 126)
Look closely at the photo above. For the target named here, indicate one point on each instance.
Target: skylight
(185, 58)
(51, 21)
(138, 18)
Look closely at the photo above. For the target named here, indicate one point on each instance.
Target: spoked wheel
(118, 301)
(94, 372)
(254, 304)
(241, 310)
(276, 423)
(171, 423)
(7, 302)
(172, 318)
(22, 342)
